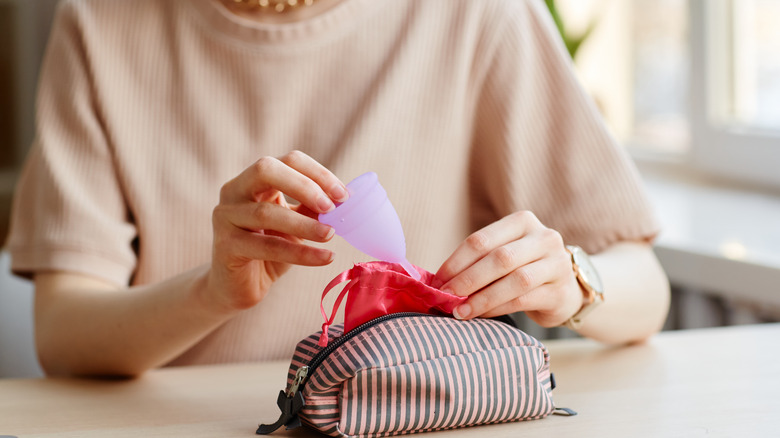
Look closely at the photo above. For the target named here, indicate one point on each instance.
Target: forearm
(636, 292)
(85, 328)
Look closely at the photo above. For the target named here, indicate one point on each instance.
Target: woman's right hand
(258, 235)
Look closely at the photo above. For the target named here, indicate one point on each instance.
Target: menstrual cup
(368, 221)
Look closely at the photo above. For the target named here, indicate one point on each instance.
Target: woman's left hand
(514, 264)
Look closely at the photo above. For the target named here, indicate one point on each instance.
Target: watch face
(586, 269)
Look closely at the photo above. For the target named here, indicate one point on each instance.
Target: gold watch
(589, 280)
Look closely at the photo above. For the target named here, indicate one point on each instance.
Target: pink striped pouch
(404, 373)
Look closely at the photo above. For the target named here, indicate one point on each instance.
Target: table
(714, 382)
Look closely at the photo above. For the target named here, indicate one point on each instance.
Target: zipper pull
(564, 412)
(300, 375)
(290, 402)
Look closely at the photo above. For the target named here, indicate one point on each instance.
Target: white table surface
(720, 382)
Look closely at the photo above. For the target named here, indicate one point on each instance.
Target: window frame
(720, 146)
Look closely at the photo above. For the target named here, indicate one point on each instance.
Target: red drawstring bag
(381, 288)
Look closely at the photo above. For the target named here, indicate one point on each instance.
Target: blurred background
(691, 88)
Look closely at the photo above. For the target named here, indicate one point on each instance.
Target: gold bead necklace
(272, 5)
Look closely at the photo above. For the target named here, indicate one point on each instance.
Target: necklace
(272, 5)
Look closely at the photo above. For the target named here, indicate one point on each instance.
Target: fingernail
(325, 204)
(462, 312)
(449, 290)
(326, 256)
(339, 193)
(325, 231)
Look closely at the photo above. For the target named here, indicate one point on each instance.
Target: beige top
(467, 110)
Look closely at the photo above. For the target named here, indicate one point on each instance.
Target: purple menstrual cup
(368, 221)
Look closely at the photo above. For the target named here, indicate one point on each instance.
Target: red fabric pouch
(382, 288)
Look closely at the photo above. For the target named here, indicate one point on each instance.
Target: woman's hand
(515, 264)
(258, 235)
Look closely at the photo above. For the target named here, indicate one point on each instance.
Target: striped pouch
(403, 373)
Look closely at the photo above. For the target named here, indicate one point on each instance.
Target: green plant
(573, 42)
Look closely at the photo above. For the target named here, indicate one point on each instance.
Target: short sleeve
(69, 212)
(540, 143)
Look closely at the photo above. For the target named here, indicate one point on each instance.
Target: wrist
(208, 298)
(590, 286)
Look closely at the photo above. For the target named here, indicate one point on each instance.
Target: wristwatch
(591, 284)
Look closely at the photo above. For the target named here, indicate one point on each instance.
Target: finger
(320, 174)
(271, 174)
(305, 211)
(495, 265)
(258, 216)
(537, 296)
(482, 242)
(518, 287)
(266, 247)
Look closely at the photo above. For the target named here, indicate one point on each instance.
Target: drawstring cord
(344, 276)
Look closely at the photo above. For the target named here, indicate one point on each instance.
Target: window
(754, 98)
(691, 81)
(735, 105)
(661, 75)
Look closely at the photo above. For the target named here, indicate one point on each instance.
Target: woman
(153, 212)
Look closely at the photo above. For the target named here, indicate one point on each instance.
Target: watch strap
(594, 297)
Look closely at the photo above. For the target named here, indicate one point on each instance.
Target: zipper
(300, 375)
(303, 372)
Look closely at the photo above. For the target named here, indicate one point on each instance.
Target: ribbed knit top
(467, 111)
